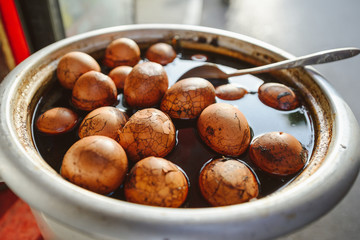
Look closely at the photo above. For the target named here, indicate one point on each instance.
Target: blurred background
(299, 27)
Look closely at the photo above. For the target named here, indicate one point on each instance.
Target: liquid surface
(190, 153)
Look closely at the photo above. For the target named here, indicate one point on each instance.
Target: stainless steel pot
(65, 211)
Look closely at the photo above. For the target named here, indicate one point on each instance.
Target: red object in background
(14, 30)
(16, 219)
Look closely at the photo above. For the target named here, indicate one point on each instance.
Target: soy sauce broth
(190, 153)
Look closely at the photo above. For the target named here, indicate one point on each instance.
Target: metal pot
(65, 211)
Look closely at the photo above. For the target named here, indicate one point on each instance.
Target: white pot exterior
(65, 211)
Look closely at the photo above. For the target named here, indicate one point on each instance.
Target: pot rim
(18, 167)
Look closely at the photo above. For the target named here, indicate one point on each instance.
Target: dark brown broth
(190, 153)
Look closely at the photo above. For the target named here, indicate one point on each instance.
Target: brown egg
(230, 92)
(187, 98)
(122, 52)
(56, 121)
(224, 129)
(161, 53)
(96, 163)
(93, 90)
(278, 96)
(105, 121)
(157, 182)
(226, 181)
(149, 132)
(72, 65)
(145, 85)
(278, 153)
(119, 74)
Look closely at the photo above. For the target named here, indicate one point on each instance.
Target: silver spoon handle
(311, 59)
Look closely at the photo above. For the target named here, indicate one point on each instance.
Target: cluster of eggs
(98, 161)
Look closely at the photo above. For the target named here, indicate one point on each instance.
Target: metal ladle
(212, 71)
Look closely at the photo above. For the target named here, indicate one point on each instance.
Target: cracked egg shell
(72, 65)
(226, 181)
(161, 53)
(57, 121)
(122, 52)
(157, 182)
(105, 121)
(278, 96)
(187, 98)
(148, 132)
(145, 85)
(278, 153)
(224, 129)
(92, 90)
(96, 163)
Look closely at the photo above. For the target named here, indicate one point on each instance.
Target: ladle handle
(311, 59)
